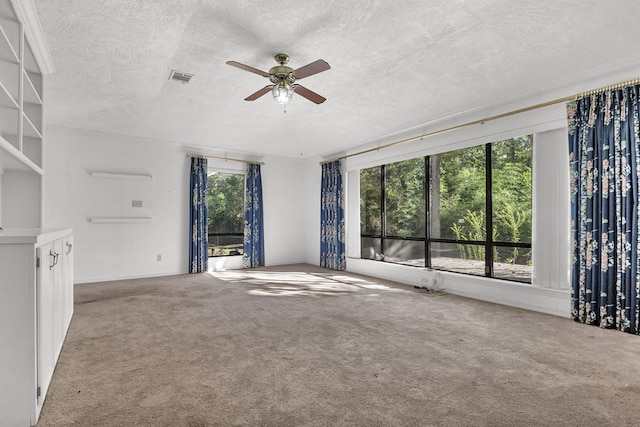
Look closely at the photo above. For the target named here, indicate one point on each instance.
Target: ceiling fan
(284, 78)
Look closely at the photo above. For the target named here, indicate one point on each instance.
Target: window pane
(370, 201)
(462, 258)
(511, 198)
(404, 199)
(512, 264)
(225, 193)
(226, 245)
(407, 252)
(226, 202)
(370, 248)
(457, 194)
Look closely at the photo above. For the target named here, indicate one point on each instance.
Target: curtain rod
(490, 118)
(228, 159)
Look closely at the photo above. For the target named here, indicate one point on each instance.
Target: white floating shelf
(105, 220)
(131, 176)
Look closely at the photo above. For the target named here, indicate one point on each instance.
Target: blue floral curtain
(253, 221)
(604, 145)
(332, 247)
(198, 259)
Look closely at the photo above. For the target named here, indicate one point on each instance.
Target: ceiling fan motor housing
(281, 73)
(278, 75)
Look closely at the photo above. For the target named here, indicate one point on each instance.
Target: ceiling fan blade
(311, 69)
(310, 95)
(248, 68)
(259, 93)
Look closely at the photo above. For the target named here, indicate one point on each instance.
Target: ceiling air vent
(179, 76)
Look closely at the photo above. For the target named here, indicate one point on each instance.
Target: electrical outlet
(158, 257)
(136, 204)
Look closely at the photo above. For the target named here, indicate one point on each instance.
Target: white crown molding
(26, 12)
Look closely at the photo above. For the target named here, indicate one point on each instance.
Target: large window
(461, 195)
(225, 194)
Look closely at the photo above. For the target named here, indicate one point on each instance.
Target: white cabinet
(36, 306)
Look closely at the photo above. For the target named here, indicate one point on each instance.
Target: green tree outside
(225, 196)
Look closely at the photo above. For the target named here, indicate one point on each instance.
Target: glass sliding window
(477, 212)
(512, 263)
(404, 199)
(371, 248)
(511, 198)
(460, 258)
(371, 213)
(225, 192)
(404, 218)
(404, 251)
(511, 189)
(458, 194)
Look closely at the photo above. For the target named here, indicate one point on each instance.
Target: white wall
(551, 209)
(73, 196)
(283, 191)
(21, 192)
(1, 173)
(126, 250)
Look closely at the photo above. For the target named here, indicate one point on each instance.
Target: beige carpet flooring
(302, 346)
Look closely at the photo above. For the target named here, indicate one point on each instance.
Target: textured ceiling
(394, 64)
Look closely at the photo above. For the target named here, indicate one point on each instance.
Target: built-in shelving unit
(24, 58)
(20, 92)
(36, 265)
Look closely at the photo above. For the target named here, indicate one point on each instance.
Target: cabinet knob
(69, 246)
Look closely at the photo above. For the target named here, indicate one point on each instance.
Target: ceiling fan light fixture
(282, 92)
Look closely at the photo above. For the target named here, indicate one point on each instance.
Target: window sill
(514, 294)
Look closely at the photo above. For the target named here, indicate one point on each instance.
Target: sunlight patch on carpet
(270, 283)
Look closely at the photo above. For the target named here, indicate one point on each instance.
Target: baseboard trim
(128, 277)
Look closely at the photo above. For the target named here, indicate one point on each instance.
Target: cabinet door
(67, 280)
(45, 317)
(59, 300)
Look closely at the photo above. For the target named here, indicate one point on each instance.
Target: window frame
(213, 171)
(489, 244)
